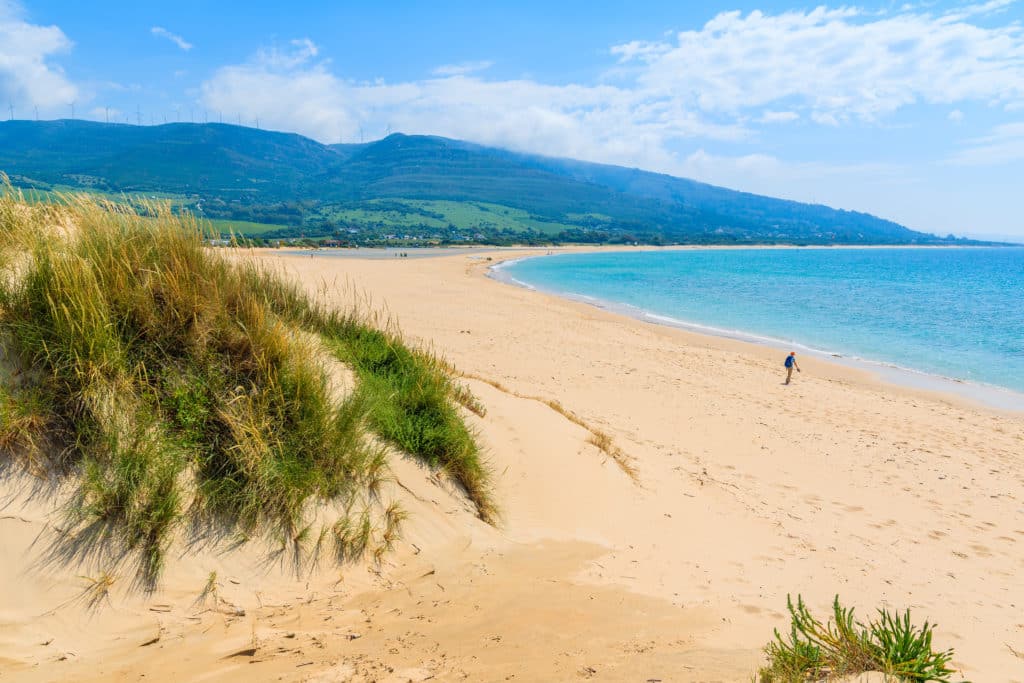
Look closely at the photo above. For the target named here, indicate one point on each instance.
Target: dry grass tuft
(598, 438)
(605, 444)
(211, 590)
(97, 588)
(394, 517)
(467, 400)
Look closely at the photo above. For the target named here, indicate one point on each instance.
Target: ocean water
(953, 312)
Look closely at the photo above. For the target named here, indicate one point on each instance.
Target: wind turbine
(11, 107)
(72, 111)
(106, 114)
(138, 115)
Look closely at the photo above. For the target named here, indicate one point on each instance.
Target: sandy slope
(748, 490)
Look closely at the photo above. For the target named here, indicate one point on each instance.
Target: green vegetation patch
(224, 227)
(410, 397)
(178, 384)
(490, 217)
(890, 644)
(411, 404)
(467, 216)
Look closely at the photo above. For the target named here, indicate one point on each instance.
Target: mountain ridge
(439, 188)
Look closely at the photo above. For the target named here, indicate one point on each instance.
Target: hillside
(425, 188)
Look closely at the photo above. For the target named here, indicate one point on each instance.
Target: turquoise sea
(952, 312)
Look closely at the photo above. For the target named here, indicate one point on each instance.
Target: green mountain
(411, 188)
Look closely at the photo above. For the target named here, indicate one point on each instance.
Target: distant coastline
(451, 250)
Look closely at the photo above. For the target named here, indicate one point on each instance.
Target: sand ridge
(748, 490)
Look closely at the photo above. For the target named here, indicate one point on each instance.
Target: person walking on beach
(790, 364)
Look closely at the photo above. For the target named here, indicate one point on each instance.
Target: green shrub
(891, 645)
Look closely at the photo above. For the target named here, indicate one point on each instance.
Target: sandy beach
(746, 491)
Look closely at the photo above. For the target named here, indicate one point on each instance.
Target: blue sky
(912, 111)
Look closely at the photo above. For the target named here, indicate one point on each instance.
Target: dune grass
(413, 404)
(890, 644)
(598, 438)
(412, 400)
(177, 383)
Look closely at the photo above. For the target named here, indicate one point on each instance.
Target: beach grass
(598, 438)
(411, 398)
(890, 644)
(177, 383)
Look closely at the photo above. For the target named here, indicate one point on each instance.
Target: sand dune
(747, 490)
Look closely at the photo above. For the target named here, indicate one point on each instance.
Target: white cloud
(826, 66)
(770, 116)
(824, 118)
(956, 116)
(161, 32)
(980, 9)
(276, 58)
(838, 64)
(27, 78)
(1003, 145)
(462, 68)
(288, 89)
(641, 49)
(773, 175)
(879, 188)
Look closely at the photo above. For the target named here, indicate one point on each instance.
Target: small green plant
(813, 651)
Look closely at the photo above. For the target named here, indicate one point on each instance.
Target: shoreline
(474, 250)
(981, 394)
